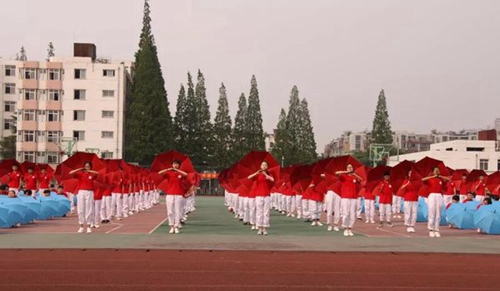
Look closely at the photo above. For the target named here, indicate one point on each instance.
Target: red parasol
(340, 164)
(251, 163)
(493, 183)
(70, 185)
(6, 166)
(473, 177)
(422, 169)
(27, 165)
(319, 177)
(77, 161)
(301, 178)
(399, 174)
(374, 177)
(164, 161)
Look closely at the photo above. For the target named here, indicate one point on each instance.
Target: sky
(438, 61)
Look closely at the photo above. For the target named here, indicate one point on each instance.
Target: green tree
(204, 129)
(307, 143)
(281, 137)
(8, 147)
(292, 148)
(148, 124)
(381, 132)
(180, 129)
(256, 139)
(240, 145)
(50, 51)
(222, 139)
(21, 56)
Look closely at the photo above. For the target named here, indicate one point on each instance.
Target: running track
(112, 269)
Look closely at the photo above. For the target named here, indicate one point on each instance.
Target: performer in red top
(410, 204)
(175, 194)
(480, 189)
(31, 181)
(263, 184)
(14, 179)
(44, 180)
(462, 188)
(349, 197)
(85, 196)
(385, 200)
(435, 202)
(369, 206)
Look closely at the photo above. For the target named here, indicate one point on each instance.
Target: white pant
(116, 205)
(85, 207)
(315, 209)
(72, 201)
(435, 206)
(289, 203)
(125, 204)
(480, 198)
(252, 210)
(396, 204)
(411, 213)
(359, 207)
(242, 207)
(305, 209)
(385, 212)
(329, 206)
(174, 210)
(348, 211)
(447, 199)
(97, 212)
(106, 209)
(298, 205)
(337, 209)
(262, 210)
(369, 210)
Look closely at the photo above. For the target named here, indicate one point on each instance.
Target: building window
(53, 116)
(29, 115)
(106, 155)
(107, 134)
(52, 158)
(80, 74)
(54, 74)
(108, 93)
(54, 95)
(483, 164)
(108, 73)
(9, 106)
(30, 74)
(10, 71)
(42, 74)
(53, 136)
(79, 134)
(10, 88)
(29, 157)
(29, 94)
(7, 124)
(79, 95)
(498, 165)
(29, 136)
(40, 136)
(79, 115)
(108, 114)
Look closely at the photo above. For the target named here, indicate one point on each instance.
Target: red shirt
(262, 185)
(349, 187)
(385, 192)
(410, 193)
(30, 180)
(119, 187)
(44, 181)
(463, 187)
(126, 186)
(480, 190)
(174, 183)
(450, 188)
(15, 179)
(435, 185)
(369, 195)
(86, 180)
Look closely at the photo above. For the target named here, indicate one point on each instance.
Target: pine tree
(222, 139)
(240, 144)
(21, 56)
(256, 140)
(281, 138)
(50, 51)
(148, 124)
(190, 120)
(180, 129)
(292, 148)
(203, 129)
(307, 143)
(381, 132)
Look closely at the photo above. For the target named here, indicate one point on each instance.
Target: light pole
(282, 161)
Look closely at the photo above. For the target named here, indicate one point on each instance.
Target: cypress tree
(381, 132)
(180, 130)
(148, 124)
(50, 51)
(307, 143)
(222, 139)
(292, 149)
(203, 129)
(191, 120)
(281, 138)
(240, 147)
(255, 140)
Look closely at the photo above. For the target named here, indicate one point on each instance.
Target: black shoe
(103, 221)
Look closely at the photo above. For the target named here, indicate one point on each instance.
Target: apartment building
(8, 96)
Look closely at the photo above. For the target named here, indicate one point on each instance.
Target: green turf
(212, 217)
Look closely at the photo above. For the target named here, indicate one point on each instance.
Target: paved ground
(212, 227)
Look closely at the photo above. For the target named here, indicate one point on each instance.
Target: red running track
(234, 270)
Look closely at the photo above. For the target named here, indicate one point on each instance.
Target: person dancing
(263, 187)
(175, 195)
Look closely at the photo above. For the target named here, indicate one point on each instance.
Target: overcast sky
(437, 60)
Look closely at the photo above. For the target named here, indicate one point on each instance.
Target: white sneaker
(367, 221)
(432, 234)
(176, 230)
(408, 229)
(292, 215)
(313, 223)
(80, 230)
(412, 229)
(318, 223)
(437, 234)
(125, 216)
(299, 217)
(171, 230)
(96, 226)
(130, 213)
(346, 232)
(350, 233)
(89, 230)
(253, 227)
(330, 228)
(264, 232)
(372, 221)
(259, 232)
(336, 228)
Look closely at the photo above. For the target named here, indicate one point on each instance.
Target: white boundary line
(113, 229)
(159, 224)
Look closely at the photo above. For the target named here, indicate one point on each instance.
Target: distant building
(8, 95)
(459, 154)
(270, 141)
(347, 143)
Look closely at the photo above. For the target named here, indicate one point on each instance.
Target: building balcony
(30, 84)
(47, 147)
(26, 146)
(51, 126)
(27, 125)
(27, 104)
(53, 85)
(49, 105)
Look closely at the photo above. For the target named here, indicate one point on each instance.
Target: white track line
(113, 229)
(388, 231)
(159, 224)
